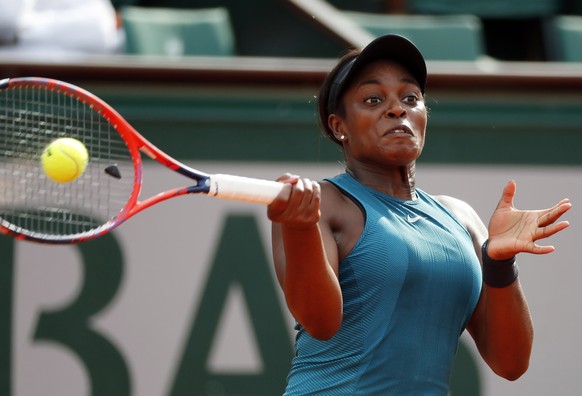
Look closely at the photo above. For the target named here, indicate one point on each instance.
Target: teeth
(404, 131)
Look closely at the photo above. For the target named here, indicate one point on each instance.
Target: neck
(400, 183)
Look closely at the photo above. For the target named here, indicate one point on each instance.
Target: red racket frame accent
(135, 143)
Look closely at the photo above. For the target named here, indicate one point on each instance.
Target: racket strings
(30, 118)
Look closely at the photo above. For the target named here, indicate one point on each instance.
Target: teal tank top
(409, 286)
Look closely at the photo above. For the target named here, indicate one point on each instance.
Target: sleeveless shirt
(409, 287)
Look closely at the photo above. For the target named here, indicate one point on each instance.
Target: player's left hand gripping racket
(35, 111)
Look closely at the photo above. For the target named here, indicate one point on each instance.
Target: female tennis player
(382, 277)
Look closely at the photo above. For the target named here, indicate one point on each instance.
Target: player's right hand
(298, 204)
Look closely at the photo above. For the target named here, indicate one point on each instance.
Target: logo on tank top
(414, 219)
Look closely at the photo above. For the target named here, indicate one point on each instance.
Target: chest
(417, 248)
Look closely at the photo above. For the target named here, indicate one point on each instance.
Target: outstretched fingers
(512, 230)
(554, 213)
(547, 225)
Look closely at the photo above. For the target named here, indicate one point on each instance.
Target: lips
(400, 129)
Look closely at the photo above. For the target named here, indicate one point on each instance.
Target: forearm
(310, 285)
(505, 336)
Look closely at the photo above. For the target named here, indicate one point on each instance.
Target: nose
(395, 110)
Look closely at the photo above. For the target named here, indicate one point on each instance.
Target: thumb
(507, 196)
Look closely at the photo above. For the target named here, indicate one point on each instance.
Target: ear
(336, 124)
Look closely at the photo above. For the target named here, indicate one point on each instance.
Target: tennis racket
(34, 112)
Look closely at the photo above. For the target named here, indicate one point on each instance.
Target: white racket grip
(245, 189)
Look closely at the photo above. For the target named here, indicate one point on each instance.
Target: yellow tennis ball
(64, 160)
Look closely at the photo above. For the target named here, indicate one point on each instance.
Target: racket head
(34, 111)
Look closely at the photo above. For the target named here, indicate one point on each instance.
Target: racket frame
(218, 185)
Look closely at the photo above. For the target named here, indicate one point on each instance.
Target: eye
(410, 99)
(372, 100)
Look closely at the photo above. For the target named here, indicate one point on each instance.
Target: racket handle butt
(244, 189)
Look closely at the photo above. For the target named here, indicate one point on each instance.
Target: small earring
(342, 137)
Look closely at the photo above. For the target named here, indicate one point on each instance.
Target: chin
(405, 155)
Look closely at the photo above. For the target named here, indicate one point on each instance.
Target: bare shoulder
(458, 207)
(342, 215)
(331, 193)
(334, 202)
(466, 216)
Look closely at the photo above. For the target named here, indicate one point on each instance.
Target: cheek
(355, 121)
(423, 126)
(420, 123)
(421, 120)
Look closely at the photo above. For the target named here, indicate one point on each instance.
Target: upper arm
(478, 231)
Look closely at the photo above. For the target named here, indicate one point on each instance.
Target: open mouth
(400, 129)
